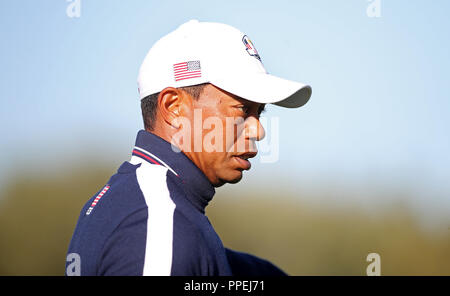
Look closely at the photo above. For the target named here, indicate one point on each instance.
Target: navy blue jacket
(149, 219)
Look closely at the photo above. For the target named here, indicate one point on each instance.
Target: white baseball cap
(204, 52)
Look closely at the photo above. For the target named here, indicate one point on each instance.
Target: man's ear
(170, 102)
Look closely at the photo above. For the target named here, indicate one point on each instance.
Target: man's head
(203, 87)
(215, 129)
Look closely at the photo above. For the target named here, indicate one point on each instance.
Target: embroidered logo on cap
(250, 47)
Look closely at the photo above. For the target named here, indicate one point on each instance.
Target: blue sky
(378, 118)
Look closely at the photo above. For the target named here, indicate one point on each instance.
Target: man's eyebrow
(240, 98)
(248, 103)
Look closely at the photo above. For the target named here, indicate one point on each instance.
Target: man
(202, 90)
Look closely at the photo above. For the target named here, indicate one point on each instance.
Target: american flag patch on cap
(187, 70)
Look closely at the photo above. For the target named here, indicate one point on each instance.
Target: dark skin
(226, 165)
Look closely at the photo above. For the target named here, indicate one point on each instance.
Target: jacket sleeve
(124, 250)
(243, 264)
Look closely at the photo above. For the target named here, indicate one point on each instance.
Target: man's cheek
(234, 128)
(228, 140)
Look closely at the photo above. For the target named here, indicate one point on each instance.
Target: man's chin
(235, 178)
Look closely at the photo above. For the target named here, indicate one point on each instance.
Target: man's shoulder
(119, 196)
(133, 189)
(116, 200)
(126, 190)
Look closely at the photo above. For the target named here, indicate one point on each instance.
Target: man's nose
(255, 130)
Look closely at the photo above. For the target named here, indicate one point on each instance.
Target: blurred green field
(38, 212)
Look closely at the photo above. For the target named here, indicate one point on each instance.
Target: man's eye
(244, 109)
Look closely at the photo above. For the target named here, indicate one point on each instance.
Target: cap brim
(267, 89)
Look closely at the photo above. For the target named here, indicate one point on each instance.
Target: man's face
(224, 129)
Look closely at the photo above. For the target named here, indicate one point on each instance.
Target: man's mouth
(243, 161)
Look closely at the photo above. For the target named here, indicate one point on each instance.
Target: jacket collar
(158, 151)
